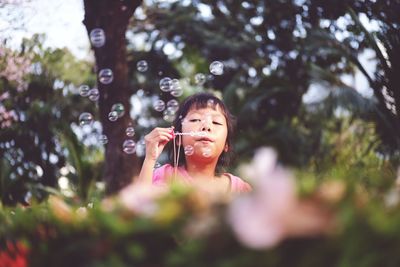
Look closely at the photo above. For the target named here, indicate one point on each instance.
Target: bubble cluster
(142, 66)
(84, 90)
(217, 68)
(106, 76)
(129, 146)
(97, 37)
(159, 105)
(85, 119)
(189, 150)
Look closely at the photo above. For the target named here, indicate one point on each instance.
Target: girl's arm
(155, 143)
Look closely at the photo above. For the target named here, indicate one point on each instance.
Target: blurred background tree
(39, 108)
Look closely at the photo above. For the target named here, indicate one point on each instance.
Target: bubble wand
(177, 153)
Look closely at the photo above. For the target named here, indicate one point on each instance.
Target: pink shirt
(160, 176)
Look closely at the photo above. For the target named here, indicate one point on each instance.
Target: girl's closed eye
(217, 123)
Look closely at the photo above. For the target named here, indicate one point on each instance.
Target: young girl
(201, 135)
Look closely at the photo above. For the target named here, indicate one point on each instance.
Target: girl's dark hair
(199, 101)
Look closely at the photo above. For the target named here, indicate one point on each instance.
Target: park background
(316, 81)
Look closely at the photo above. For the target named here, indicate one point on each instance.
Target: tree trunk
(113, 17)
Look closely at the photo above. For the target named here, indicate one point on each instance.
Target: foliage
(183, 226)
(39, 105)
(273, 53)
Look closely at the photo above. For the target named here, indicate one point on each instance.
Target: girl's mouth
(205, 139)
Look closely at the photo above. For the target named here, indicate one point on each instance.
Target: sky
(60, 20)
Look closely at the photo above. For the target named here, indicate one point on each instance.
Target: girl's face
(212, 123)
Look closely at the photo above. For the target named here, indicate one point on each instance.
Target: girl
(202, 144)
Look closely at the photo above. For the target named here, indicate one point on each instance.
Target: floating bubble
(97, 37)
(84, 90)
(142, 66)
(106, 76)
(130, 131)
(113, 116)
(217, 68)
(176, 88)
(102, 138)
(207, 152)
(159, 105)
(166, 84)
(173, 105)
(157, 165)
(200, 78)
(210, 102)
(188, 150)
(169, 115)
(85, 119)
(119, 108)
(140, 148)
(94, 94)
(129, 146)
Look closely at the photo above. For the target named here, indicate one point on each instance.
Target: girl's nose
(206, 124)
(206, 128)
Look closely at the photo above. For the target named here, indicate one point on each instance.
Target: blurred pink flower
(273, 211)
(141, 198)
(14, 68)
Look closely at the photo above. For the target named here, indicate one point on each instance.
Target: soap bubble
(84, 90)
(207, 152)
(106, 76)
(188, 150)
(217, 68)
(176, 89)
(142, 66)
(119, 108)
(129, 146)
(85, 119)
(200, 78)
(97, 37)
(169, 115)
(130, 131)
(94, 94)
(166, 84)
(112, 116)
(173, 105)
(102, 138)
(140, 148)
(159, 105)
(157, 165)
(210, 102)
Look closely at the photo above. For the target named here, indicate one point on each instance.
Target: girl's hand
(156, 141)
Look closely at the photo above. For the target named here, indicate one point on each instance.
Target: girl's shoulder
(161, 174)
(238, 185)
